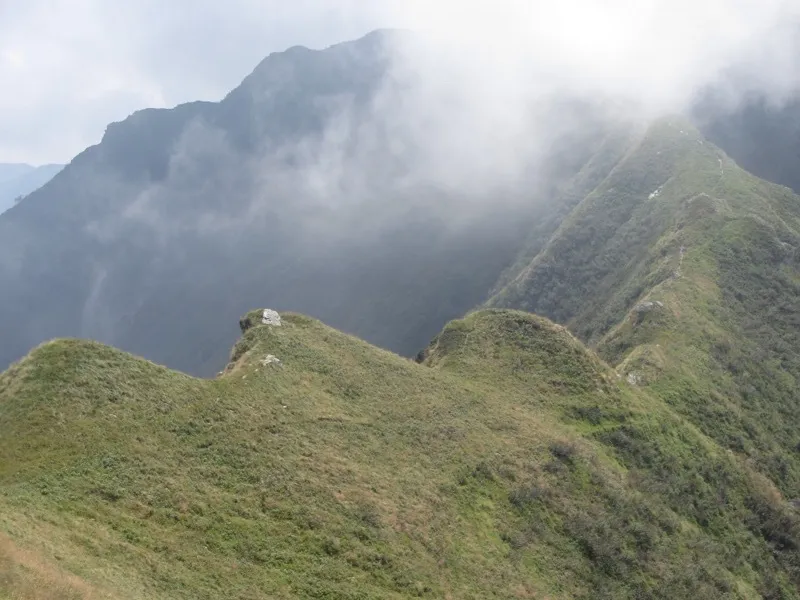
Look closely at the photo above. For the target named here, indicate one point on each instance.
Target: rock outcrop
(270, 317)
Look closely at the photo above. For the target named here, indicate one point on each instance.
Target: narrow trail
(681, 254)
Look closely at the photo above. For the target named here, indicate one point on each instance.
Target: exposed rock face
(634, 378)
(644, 307)
(269, 359)
(270, 317)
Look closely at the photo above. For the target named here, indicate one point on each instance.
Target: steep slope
(19, 180)
(682, 270)
(761, 135)
(302, 188)
(511, 464)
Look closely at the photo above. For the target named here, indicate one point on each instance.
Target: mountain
(301, 188)
(638, 439)
(760, 135)
(310, 188)
(19, 180)
(644, 448)
(682, 271)
(512, 462)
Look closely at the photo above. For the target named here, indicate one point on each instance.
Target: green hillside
(683, 271)
(645, 448)
(511, 463)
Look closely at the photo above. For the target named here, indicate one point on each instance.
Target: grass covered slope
(683, 271)
(510, 463)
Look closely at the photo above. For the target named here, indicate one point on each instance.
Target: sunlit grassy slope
(511, 463)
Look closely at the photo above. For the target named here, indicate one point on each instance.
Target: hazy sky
(69, 67)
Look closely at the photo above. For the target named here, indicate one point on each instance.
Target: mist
(382, 185)
(462, 114)
(656, 52)
(472, 100)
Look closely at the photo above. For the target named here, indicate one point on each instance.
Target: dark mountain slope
(300, 188)
(760, 135)
(512, 463)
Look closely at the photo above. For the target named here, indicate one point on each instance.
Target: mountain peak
(372, 46)
(521, 345)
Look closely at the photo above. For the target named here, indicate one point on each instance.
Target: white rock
(648, 306)
(270, 317)
(269, 359)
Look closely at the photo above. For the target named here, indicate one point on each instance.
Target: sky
(73, 66)
(70, 67)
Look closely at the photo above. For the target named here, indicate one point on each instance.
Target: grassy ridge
(677, 223)
(511, 463)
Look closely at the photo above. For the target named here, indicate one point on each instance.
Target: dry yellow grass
(26, 575)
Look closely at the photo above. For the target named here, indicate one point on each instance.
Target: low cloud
(426, 167)
(473, 105)
(72, 67)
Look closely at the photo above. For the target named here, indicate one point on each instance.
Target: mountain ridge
(325, 424)
(705, 308)
(635, 438)
(298, 152)
(632, 426)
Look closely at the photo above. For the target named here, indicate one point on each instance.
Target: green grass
(512, 463)
(719, 248)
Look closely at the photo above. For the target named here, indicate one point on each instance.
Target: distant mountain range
(18, 180)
